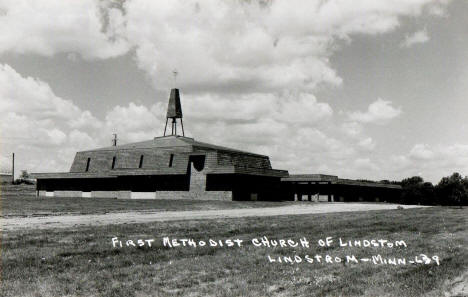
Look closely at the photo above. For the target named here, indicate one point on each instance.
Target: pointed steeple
(174, 111)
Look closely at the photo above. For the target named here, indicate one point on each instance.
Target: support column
(294, 191)
(318, 191)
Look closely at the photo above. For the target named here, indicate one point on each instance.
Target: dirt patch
(457, 287)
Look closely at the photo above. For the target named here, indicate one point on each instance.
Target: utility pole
(114, 140)
(13, 168)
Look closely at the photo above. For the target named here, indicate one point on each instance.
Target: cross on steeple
(174, 72)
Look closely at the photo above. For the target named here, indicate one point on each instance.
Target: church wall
(190, 186)
(77, 184)
(140, 183)
(197, 189)
(246, 187)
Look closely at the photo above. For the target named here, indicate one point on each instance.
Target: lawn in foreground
(82, 261)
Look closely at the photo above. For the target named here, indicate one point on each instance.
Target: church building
(168, 167)
(174, 166)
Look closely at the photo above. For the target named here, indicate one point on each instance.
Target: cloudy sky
(360, 89)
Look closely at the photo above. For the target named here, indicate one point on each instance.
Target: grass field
(21, 201)
(83, 262)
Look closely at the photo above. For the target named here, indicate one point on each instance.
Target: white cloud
(438, 8)
(255, 45)
(262, 123)
(308, 150)
(217, 46)
(244, 46)
(365, 164)
(438, 11)
(430, 162)
(351, 129)
(32, 104)
(80, 140)
(87, 27)
(417, 37)
(56, 136)
(85, 120)
(135, 122)
(40, 126)
(29, 95)
(367, 144)
(379, 111)
(421, 151)
(45, 130)
(288, 107)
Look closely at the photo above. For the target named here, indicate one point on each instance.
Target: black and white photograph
(234, 148)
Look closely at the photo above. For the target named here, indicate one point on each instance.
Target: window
(171, 159)
(141, 162)
(113, 162)
(87, 164)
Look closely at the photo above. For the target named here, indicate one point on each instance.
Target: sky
(360, 89)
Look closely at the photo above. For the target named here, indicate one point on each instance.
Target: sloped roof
(168, 155)
(333, 179)
(350, 182)
(54, 175)
(249, 171)
(172, 141)
(310, 177)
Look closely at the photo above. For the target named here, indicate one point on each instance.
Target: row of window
(140, 165)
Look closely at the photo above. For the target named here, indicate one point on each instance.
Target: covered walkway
(320, 187)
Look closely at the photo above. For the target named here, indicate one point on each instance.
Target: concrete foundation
(124, 194)
(142, 195)
(170, 195)
(67, 193)
(104, 194)
(206, 195)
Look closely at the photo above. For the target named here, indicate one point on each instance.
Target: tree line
(451, 190)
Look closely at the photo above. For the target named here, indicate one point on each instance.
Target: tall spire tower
(174, 110)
